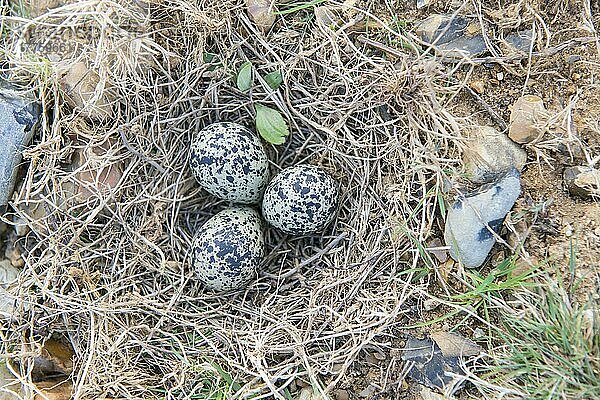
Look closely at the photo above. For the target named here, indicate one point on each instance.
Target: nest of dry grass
(111, 275)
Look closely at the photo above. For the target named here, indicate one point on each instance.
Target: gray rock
(429, 367)
(442, 28)
(582, 181)
(18, 116)
(490, 153)
(521, 40)
(450, 36)
(474, 219)
(463, 47)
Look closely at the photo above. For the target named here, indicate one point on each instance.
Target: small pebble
(568, 230)
(422, 3)
(21, 228)
(527, 119)
(430, 304)
(478, 86)
(342, 394)
(473, 219)
(582, 181)
(478, 333)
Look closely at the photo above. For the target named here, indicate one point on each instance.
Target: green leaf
(227, 377)
(244, 77)
(271, 125)
(212, 60)
(294, 7)
(274, 79)
(208, 57)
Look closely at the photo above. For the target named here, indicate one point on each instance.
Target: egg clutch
(230, 162)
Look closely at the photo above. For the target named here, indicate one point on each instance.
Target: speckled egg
(300, 200)
(230, 162)
(228, 249)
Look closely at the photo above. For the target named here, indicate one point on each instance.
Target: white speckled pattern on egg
(300, 200)
(230, 162)
(228, 248)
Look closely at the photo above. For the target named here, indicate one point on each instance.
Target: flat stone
(490, 153)
(19, 114)
(451, 36)
(463, 47)
(474, 219)
(582, 181)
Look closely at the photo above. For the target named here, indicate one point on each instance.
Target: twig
(493, 114)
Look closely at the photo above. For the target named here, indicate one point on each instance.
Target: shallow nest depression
(112, 276)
